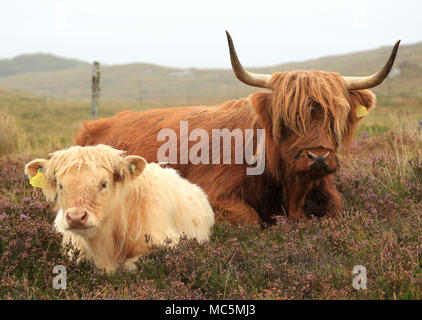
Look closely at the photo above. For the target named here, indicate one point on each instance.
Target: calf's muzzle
(77, 217)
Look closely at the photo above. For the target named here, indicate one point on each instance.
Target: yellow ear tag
(132, 168)
(361, 111)
(38, 181)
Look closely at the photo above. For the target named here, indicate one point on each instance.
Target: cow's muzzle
(316, 162)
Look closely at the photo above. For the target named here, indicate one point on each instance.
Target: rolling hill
(51, 76)
(39, 62)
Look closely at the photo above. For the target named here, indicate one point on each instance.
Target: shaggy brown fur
(304, 111)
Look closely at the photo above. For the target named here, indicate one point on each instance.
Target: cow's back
(137, 132)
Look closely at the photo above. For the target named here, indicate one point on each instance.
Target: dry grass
(8, 134)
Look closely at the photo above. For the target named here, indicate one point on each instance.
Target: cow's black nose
(318, 162)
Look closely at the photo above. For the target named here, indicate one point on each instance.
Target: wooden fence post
(95, 88)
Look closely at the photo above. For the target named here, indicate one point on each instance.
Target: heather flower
(380, 229)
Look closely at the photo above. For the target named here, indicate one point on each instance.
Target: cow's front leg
(235, 211)
(296, 192)
(333, 198)
(325, 199)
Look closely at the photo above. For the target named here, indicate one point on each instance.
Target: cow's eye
(60, 187)
(316, 111)
(286, 132)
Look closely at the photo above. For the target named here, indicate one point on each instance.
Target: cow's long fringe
(294, 93)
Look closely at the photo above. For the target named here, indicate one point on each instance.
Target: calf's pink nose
(76, 217)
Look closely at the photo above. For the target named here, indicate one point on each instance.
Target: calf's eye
(104, 185)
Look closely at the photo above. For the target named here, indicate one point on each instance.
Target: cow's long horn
(359, 83)
(252, 79)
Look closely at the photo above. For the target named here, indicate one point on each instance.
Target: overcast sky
(190, 33)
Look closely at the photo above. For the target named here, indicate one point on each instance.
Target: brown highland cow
(306, 115)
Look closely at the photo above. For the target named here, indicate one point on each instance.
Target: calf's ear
(31, 168)
(137, 164)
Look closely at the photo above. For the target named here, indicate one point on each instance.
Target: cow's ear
(261, 104)
(361, 102)
(368, 98)
(137, 164)
(31, 168)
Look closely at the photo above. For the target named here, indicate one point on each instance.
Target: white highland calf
(113, 207)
